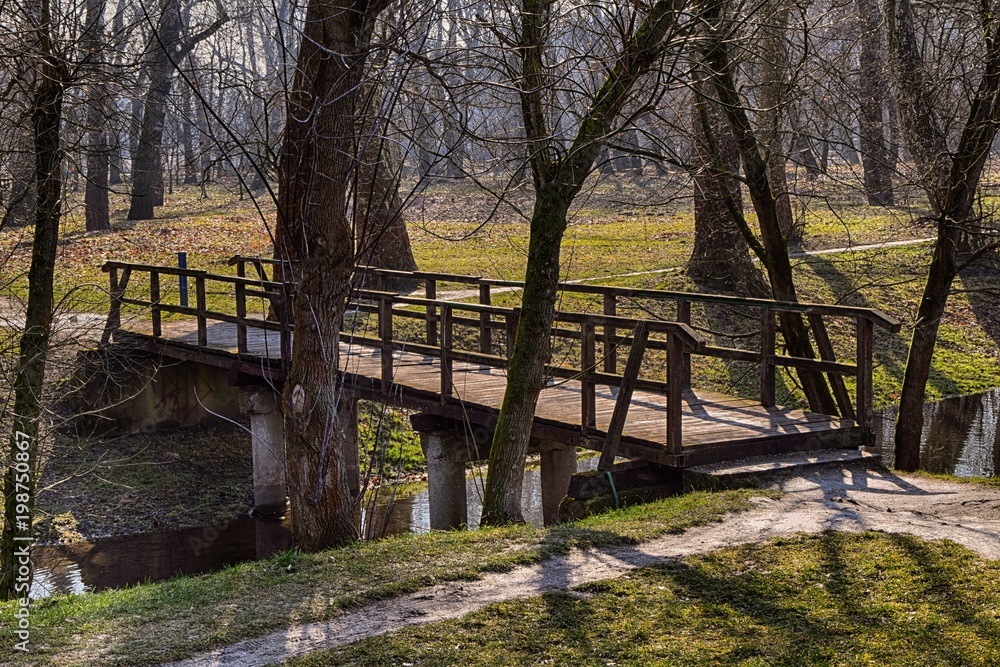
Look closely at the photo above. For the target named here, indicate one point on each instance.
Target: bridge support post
(268, 436)
(446, 453)
(558, 463)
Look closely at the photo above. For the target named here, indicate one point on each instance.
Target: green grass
(164, 621)
(835, 599)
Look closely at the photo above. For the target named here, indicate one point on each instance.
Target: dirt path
(850, 499)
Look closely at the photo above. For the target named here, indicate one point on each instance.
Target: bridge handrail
(875, 315)
(441, 315)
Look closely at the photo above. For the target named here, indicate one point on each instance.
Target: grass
(616, 228)
(170, 620)
(835, 599)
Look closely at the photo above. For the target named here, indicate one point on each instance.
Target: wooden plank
(866, 347)
(827, 353)
(631, 373)
(766, 358)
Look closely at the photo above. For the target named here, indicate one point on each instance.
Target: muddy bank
(144, 483)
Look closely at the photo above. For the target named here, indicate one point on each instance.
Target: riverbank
(376, 588)
(150, 623)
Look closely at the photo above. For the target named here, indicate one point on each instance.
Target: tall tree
(558, 176)
(167, 48)
(98, 151)
(772, 245)
(875, 158)
(317, 163)
(50, 75)
(950, 179)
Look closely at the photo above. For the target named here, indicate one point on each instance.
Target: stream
(960, 438)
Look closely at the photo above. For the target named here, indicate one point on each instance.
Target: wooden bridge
(620, 378)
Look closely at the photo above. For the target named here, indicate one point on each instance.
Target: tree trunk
(381, 237)
(188, 139)
(875, 160)
(525, 375)
(95, 200)
(20, 482)
(774, 96)
(954, 192)
(720, 259)
(557, 181)
(313, 227)
(147, 162)
(910, 422)
(166, 50)
(772, 246)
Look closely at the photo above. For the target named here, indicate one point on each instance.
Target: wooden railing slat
(624, 398)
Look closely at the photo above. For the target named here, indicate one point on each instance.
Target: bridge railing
(600, 336)
(765, 356)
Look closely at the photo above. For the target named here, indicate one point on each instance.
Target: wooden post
(827, 353)
(447, 384)
(116, 290)
(684, 317)
(385, 334)
(432, 327)
(154, 302)
(485, 333)
(241, 314)
(675, 392)
(610, 349)
(866, 339)
(767, 358)
(630, 375)
(199, 286)
(588, 400)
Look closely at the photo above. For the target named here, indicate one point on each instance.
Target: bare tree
(317, 162)
(558, 169)
(49, 74)
(951, 179)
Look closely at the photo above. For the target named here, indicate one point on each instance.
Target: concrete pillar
(558, 466)
(268, 442)
(348, 415)
(446, 454)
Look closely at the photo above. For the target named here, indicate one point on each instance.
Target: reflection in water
(960, 435)
(116, 562)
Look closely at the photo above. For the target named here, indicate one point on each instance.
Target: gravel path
(851, 498)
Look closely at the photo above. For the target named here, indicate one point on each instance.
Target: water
(960, 435)
(123, 561)
(960, 438)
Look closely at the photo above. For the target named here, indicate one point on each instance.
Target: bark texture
(317, 165)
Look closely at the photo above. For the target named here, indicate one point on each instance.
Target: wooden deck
(715, 426)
